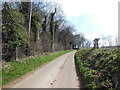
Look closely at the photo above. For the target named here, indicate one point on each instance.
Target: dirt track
(59, 73)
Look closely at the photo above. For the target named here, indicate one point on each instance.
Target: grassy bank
(15, 69)
(100, 67)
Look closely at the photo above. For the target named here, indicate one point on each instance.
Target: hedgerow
(100, 67)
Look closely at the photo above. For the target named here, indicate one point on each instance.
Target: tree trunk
(29, 28)
(16, 54)
(30, 14)
(52, 29)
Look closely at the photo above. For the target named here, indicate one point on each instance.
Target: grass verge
(100, 67)
(15, 69)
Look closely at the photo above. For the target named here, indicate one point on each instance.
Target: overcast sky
(92, 17)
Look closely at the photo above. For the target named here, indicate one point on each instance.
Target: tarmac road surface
(59, 73)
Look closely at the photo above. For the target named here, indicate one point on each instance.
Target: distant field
(100, 67)
(15, 69)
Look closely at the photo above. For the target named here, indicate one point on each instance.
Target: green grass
(15, 69)
(100, 67)
(0, 77)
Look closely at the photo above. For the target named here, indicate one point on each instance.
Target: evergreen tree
(26, 10)
(13, 32)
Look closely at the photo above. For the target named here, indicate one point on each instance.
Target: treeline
(32, 28)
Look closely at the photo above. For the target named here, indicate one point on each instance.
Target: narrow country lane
(59, 73)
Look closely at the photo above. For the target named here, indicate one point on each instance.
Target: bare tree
(104, 41)
(79, 40)
(95, 42)
(87, 43)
